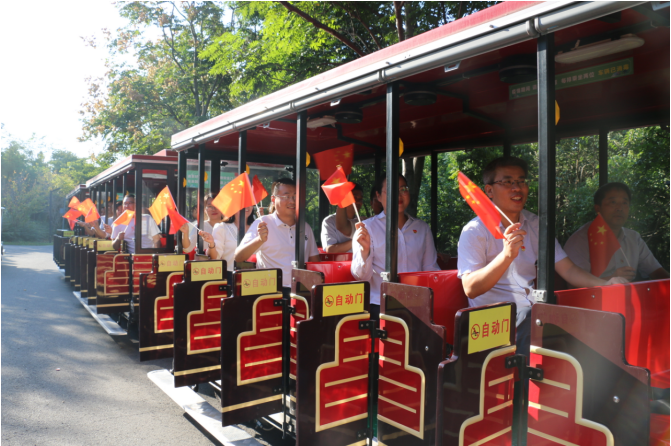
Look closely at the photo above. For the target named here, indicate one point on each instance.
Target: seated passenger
(494, 270)
(273, 237)
(634, 261)
(375, 205)
(151, 236)
(222, 242)
(212, 217)
(337, 229)
(416, 251)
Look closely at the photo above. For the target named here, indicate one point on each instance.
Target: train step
(105, 321)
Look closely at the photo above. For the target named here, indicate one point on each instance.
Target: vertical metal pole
(114, 192)
(603, 157)
(124, 186)
(138, 219)
(301, 181)
(391, 260)
(171, 182)
(378, 164)
(242, 167)
(181, 194)
(547, 165)
(107, 200)
(215, 176)
(507, 147)
(434, 196)
(201, 195)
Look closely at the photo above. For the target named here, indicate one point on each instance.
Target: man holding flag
(273, 237)
(151, 236)
(502, 268)
(606, 248)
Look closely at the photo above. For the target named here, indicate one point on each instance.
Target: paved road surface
(100, 396)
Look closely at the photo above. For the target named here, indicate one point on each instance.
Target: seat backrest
(645, 307)
(334, 272)
(448, 296)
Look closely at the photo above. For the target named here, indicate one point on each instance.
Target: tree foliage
(156, 84)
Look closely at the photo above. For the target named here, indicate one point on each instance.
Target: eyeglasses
(286, 197)
(510, 183)
(209, 206)
(401, 190)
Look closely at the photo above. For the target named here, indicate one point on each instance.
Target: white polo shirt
(331, 235)
(638, 255)
(149, 230)
(416, 252)
(226, 240)
(280, 248)
(478, 247)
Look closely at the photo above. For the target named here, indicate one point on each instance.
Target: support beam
(242, 167)
(507, 147)
(171, 181)
(181, 195)
(138, 221)
(201, 195)
(391, 246)
(106, 201)
(301, 181)
(603, 157)
(378, 164)
(434, 197)
(547, 165)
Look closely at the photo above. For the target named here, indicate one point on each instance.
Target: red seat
(334, 272)
(448, 296)
(645, 307)
(339, 257)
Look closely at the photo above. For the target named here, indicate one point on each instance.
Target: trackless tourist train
(301, 347)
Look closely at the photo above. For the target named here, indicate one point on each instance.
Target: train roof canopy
(168, 157)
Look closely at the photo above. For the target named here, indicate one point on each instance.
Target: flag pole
(625, 257)
(506, 217)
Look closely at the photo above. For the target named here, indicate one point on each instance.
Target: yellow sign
(258, 282)
(80, 241)
(68, 233)
(343, 299)
(91, 242)
(104, 245)
(202, 271)
(171, 263)
(489, 328)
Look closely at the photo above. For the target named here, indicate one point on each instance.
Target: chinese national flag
(74, 202)
(85, 206)
(259, 191)
(124, 218)
(328, 161)
(176, 220)
(72, 215)
(92, 215)
(338, 190)
(235, 196)
(481, 205)
(602, 245)
(162, 204)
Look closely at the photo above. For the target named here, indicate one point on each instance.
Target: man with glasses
(494, 270)
(273, 237)
(416, 251)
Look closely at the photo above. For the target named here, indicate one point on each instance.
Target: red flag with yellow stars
(338, 190)
(236, 195)
(74, 202)
(481, 204)
(92, 215)
(72, 215)
(176, 220)
(85, 206)
(124, 218)
(328, 161)
(602, 245)
(260, 192)
(161, 205)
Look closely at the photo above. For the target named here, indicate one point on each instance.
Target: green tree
(155, 86)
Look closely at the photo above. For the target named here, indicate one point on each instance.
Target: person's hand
(107, 228)
(207, 237)
(262, 229)
(362, 237)
(185, 229)
(626, 272)
(615, 280)
(121, 236)
(514, 240)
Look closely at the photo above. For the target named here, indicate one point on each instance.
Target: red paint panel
(645, 307)
(300, 315)
(553, 398)
(393, 368)
(448, 296)
(116, 281)
(142, 263)
(497, 405)
(351, 362)
(261, 352)
(104, 263)
(164, 311)
(659, 430)
(334, 272)
(205, 325)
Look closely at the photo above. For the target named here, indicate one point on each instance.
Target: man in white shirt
(273, 237)
(335, 240)
(151, 236)
(416, 251)
(494, 270)
(634, 261)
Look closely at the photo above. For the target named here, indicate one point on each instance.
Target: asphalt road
(64, 380)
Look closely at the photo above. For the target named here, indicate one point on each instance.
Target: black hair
(380, 181)
(130, 196)
(275, 186)
(489, 173)
(601, 192)
(118, 203)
